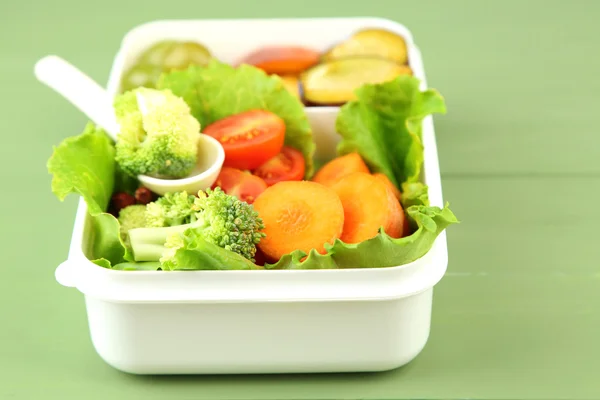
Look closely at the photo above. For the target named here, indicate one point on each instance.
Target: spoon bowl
(96, 103)
(210, 160)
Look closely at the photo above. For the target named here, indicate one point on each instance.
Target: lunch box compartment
(279, 337)
(265, 321)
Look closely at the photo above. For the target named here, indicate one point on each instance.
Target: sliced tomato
(288, 165)
(240, 184)
(249, 139)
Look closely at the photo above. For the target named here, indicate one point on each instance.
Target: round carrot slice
(298, 215)
(368, 205)
(339, 167)
(383, 178)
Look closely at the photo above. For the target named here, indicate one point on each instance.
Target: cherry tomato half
(240, 184)
(288, 165)
(249, 139)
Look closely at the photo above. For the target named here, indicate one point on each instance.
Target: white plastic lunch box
(265, 321)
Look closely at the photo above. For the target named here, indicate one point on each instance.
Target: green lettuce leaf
(297, 260)
(384, 126)
(138, 266)
(106, 241)
(384, 251)
(85, 165)
(414, 193)
(219, 90)
(192, 252)
(103, 262)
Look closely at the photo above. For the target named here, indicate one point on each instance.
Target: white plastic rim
(262, 285)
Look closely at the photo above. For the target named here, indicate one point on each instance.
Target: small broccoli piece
(172, 209)
(215, 216)
(148, 244)
(158, 134)
(229, 223)
(131, 217)
(173, 243)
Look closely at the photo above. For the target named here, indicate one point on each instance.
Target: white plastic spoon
(95, 102)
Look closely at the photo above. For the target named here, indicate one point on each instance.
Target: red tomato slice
(288, 165)
(240, 184)
(249, 139)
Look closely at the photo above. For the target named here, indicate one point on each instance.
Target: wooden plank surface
(518, 314)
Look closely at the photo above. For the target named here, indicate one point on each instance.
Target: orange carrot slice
(298, 215)
(383, 178)
(340, 167)
(368, 205)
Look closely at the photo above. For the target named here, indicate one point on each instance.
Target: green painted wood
(517, 315)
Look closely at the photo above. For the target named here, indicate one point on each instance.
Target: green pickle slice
(182, 55)
(162, 57)
(141, 75)
(334, 82)
(371, 42)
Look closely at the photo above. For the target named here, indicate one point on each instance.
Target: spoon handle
(81, 90)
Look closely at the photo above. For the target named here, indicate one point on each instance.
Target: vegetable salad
(271, 207)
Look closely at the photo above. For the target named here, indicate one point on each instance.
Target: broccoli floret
(174, 242)
(229, 222)
(158, 134)
(172, 209)
(131, 217)
(215, 216)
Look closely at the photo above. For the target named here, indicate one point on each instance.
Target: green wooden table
(518, 314)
